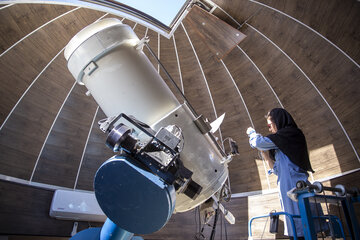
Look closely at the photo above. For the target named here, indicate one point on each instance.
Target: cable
(212, 236)
(196, 223)
(199, 218)
(225, 230)
(221, 225)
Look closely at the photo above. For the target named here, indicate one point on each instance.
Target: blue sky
(163, 10)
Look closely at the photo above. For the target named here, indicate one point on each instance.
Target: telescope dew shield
(103, 57)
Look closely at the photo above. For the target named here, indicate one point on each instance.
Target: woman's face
(272, 126)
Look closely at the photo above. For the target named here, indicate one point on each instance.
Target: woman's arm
(266, 156)
(259, 142)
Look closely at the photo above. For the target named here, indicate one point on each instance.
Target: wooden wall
(308, 74)
(302, 55)
(25, 211)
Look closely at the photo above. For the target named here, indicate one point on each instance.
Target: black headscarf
(289, 138)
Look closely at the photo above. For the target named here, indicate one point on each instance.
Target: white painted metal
(254, 193)
(32, 184)
(199, 154)
(75, 205)
(6, 6)
(102, 17)
(122, 79)
(122, 74)
(83, 35)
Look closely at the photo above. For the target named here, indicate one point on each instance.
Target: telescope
(167, 159)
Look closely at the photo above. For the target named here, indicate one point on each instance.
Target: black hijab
(289, 138)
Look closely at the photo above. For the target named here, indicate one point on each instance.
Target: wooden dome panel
(194, 83)
(212, 31)
(333, 74)
(336, 20)
(27, 127)
(60, 159)
(299, 97)
(41, 102)
(20, 66)
(240, 11)
(22, 19)
(226, 99)
(169, 60)
(95, 154)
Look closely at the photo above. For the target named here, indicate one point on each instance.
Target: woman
(287, 145)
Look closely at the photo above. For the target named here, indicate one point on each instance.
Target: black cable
(196, 223)
(171, 79)
(199, 218)
(221, 225)
(212, 236)
(225, 230)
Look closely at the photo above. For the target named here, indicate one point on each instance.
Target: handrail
(290, 216)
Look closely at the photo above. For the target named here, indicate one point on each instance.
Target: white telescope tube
(120, 78)
(104, 58)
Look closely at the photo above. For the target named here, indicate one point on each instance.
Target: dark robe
(290, 139)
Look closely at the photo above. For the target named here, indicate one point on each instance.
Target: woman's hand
(250, 131)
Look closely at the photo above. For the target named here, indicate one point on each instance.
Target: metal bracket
(202, 124)
(143, 41)
(90, 68)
